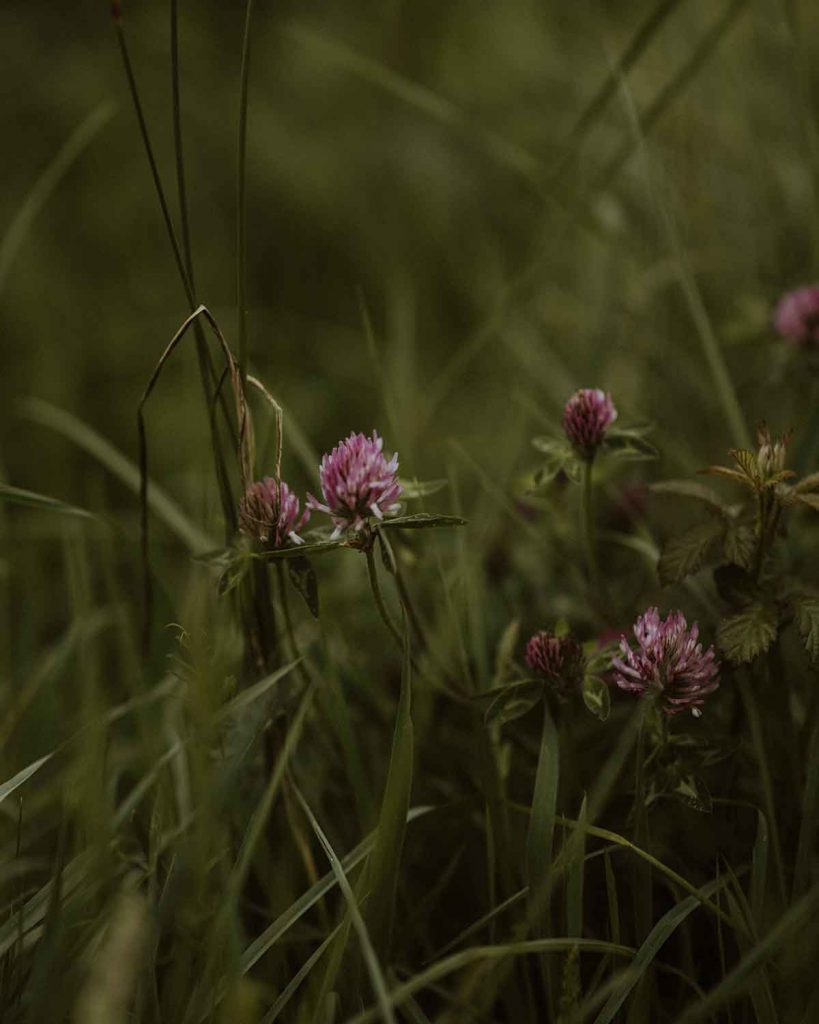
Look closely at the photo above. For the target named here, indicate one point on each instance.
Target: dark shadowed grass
(439, 221)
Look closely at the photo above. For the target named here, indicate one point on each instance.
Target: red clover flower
(669, 663)
(586, 418)
(357, 481)
(269, 513)
(559, 659)
(797, 316)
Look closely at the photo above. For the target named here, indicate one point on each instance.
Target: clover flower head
(668, 663)
(269, 513)
(796, 317)
(559, 659)
(357, 481)
(586, 417)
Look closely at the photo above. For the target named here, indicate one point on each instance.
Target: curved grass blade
(809, 827)
(10, 785)
(30, 499)
(652, 945)
(241, 158)
(80, 434)
(178, 147)
(298, 978)
(384, 865)
(44, 186)
(575, 876)
(420, 521)
(642, 37)
(515, 158)
(254, 832)
(658, 865)
(540, 837)
(792, 921)
(477, 954)
(723, 385)
(274, 931)
(370, 957)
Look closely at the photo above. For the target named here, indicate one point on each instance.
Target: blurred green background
(527, 198)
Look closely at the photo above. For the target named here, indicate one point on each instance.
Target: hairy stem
(379, 597)
(587, 502)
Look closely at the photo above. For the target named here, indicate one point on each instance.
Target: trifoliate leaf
(233, 563)
(554, 447)
(302, 550)
(505, 651)
(685, 553)
(560, 457)
(693, 792)
(420, 521)
(513, 702)
(806, 607)
(597, 696)
(304, 580)
(629, 444)
(749, 633)
(421, 488)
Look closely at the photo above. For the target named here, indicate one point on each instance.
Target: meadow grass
(245, 780)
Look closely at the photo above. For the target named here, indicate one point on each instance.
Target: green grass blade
(611, 897)
(540, 837)
(809, 825)
(759, 987)
(30, 499)
(371, 959)
(298, 979)
(749, 701)
(797, 917)
(262, 812)
(575, 874)
(759, 869)
(383, 868)
(477, 954)
(654, 942)
(723, 385)
(80, 434)
(507, 154)
(598, 103)
(179, 151)
(241, 159)
(44, 186)
(271, 935)
(10, 785)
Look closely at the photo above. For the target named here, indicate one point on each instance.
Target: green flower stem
(379, 597)
(587, 502)
(806, 453)
(295, 652)
(770, 512)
